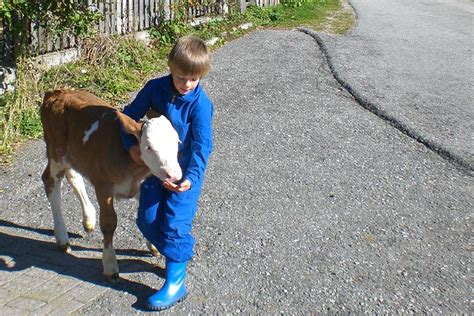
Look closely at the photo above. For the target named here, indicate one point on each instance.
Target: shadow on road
(21, 253)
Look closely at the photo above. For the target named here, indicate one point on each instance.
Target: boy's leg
(177, 214)
(151, 195)
(176, 244)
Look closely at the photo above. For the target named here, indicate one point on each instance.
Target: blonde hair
(189, 56)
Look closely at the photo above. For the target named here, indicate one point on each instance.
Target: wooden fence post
(244, 4)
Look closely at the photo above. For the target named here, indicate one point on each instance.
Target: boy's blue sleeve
(201, 145)
(136, 110)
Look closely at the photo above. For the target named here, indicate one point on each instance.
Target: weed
(262, 16)
(19, 111)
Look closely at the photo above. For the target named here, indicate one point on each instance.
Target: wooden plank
(146, 15)
(167, 9)
(50, 43)
(56, 43)
(34, 46)
(130, 16)
(120, 16)
(135, 16)
(73, 41)
(125, 16)
(111, 13)
(103, 3)
(65, 41)
(113, 16)
(141, 14)
(108, 17)
(100, 5)
(41, 41)
(123, 23)
(154, 7)
(159, 7)
(151, 13)
(124, 13)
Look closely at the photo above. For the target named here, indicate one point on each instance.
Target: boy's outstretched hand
(180, 187)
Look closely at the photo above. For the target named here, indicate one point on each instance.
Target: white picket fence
(122, 17)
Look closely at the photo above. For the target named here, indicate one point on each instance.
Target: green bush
(55, 17)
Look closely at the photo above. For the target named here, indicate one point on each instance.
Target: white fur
(54, 197)
(88, 211)
(109, 260)
(125, 189)
(160, 153)
(90, 131)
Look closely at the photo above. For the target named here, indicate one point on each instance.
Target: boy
(167, 209)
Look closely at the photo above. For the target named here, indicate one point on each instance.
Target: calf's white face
(159, 149)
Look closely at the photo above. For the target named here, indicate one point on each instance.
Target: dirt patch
(340, 22)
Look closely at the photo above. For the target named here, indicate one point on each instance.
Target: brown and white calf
(82, 135)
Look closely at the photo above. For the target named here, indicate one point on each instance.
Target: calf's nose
(174, 175)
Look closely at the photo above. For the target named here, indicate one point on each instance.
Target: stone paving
(37, 279)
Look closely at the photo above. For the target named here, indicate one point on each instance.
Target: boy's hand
(136, 154)
(180, 187)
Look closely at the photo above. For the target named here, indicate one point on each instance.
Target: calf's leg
(108, 224)
(88, 211)
(52, 180)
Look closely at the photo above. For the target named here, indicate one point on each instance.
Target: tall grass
(19, 118)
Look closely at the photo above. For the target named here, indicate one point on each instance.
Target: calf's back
(84, 132)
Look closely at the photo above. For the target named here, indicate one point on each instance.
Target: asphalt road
(311, 203)
(413, 62)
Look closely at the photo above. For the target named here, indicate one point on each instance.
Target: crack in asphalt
(453, 158)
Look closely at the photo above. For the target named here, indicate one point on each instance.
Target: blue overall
(165, 217)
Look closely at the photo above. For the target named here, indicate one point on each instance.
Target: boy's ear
(129, 125)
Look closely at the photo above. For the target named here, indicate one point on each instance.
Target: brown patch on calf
(48, 180)
(130, 126)
(152, 114)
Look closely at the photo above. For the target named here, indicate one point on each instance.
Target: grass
(114, 67)
(306, 13)
(124, 65)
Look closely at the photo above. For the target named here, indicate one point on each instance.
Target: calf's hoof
(88, 227)
(113, 278)
(66, 248)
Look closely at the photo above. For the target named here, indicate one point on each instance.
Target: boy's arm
(201, 145)
(136, 110)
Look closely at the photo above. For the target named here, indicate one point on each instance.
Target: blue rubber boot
(174, 289)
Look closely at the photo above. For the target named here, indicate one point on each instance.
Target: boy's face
(184, 83)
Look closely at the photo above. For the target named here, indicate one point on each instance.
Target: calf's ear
(129, 125)
(152, 114)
